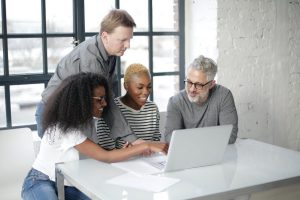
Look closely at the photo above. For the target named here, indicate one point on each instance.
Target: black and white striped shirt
(144, 123)
(103, 135)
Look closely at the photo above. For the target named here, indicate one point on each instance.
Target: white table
(249, 166)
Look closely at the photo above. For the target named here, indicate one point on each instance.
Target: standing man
(98, 55)
(202, 103)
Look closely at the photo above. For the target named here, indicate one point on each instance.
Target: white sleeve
(73, 138)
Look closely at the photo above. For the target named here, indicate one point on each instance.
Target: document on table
(137, 166)
(144, 182)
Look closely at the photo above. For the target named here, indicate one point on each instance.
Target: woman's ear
(125, 86)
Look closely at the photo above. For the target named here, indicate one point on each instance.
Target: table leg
(60, 184)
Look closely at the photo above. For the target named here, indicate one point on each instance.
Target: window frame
(79, 34)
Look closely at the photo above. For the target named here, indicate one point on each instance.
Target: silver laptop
(189, 148)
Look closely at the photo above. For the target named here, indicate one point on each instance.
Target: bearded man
(202, 103)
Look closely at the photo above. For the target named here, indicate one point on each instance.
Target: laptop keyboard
(158, 165)
(157, 160)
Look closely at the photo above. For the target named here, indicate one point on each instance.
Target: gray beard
(199, 99)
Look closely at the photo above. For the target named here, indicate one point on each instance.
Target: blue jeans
(38, 186)
(39, 118)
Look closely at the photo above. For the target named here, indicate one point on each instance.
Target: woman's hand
(138, 141)
(151, 147)
(126, 145)
(156, 147)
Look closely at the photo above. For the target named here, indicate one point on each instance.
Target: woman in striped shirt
(141, 114)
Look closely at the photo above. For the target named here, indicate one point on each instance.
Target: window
(32, 43)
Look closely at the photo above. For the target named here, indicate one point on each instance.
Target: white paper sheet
(144, 182)
(137, 166)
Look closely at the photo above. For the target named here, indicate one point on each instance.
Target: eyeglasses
(198, 86)
(100, 99)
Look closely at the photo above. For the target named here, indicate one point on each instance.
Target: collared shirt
(88, 56)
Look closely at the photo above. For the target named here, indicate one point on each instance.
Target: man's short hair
(207, 65)
(116, 18)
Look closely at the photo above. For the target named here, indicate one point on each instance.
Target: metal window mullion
(4, 38)
(117, 4)
(5, 64)
(80, 25)
(181, 44)
(174, 73)
(44, 37)
(119, 74)
(150, 42)
(74, 18)
(25, 79)
(8, 106)
(78, 36)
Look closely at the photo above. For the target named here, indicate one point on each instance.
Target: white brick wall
(259, 59)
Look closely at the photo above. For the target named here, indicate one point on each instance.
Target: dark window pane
(1, 58)
(165, 15)
(57, 49)
(23, 103)
(138, 9)
(59, 16)
(123, 91)
(166, 85)
(25, 55)
(2, 108)
(94, 11)
(165, 53)
(0, 17)
(23, 16)
(137, 53)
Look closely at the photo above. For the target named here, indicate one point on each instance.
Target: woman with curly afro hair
(68, 116)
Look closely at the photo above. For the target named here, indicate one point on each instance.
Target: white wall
(200, 29)
(258, 53)
(259, 59)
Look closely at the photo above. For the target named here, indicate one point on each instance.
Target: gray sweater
(219, 109)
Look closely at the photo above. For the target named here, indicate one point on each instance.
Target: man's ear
(213, 83)
(104, 36)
